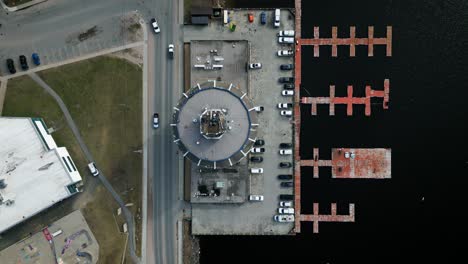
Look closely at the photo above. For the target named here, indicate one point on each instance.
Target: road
(164, 76)
(48, 27)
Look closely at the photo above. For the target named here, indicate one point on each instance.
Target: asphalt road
(48, 26)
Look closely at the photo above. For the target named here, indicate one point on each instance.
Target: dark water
(426, 127)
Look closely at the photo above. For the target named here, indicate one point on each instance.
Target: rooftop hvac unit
(199, 66)
(217, 66)
(218, 58)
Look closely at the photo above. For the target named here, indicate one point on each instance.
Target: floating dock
(349, 100)
(333, 217)
(351, 163)
(352, 41)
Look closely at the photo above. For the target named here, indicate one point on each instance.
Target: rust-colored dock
(354, 163)
(333, 217)
(352, 41)
(350, 100)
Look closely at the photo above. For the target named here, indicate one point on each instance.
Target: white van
(277, 18)
(92, 169)
(286, 33)
(285, 40)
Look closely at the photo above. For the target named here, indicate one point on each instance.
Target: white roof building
(34, 173)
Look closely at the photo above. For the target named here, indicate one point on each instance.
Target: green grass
(103, 96)
(12, 3)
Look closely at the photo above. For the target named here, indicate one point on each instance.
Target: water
(426, 127)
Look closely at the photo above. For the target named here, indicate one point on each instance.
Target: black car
(287, 184)
(259, 142)
(286, 79)
(256, 159)
(285, 145)
(287, 197)
(285, 177)
(285, 164)
(286, 67)
(23, 62)
(288, 86)
(11, 66)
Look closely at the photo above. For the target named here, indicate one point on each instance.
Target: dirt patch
(130, 27)
(76, 38)
(191, 247)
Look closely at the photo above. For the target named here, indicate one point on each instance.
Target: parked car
(23, 63)
(285, 164)
(286, 67)
(255, 65)
(285, 151)
(288, 86)
(287, 197)
(286, 79)
(286, 33)
(284, 218)
(287, 93)
(155, 26)
(258, 150)
(256, 198)
(287, 184)
(286, 203)
(250, 17)
(285, 53)
(276, 22)
(170, 49)
(11, 66)
(256, 170)
(285, 145)
(263, 18)
(35, 58)
(287, 40)
(256, 159)
(285, 177)
(155, 120)
(286, 113)
(259, 142)
(92, 168)
(284, 105)
(286, 210)
(259, 108)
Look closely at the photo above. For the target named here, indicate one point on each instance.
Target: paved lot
(72, 41)
(36, 249)
(263, 88)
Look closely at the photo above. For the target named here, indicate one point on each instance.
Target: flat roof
(35, 177)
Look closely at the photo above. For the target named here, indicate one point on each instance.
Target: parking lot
(262, 86)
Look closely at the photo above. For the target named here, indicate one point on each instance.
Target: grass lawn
(12, 3)
(103, 96)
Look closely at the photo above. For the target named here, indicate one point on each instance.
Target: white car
(258, 150)
(256, 197)
(155, 26)
(259, 108)
(92, 168)
(284, 106)
(287, 92)
(277, 18)
(285, 53)
(286, 113)
(288, 40)
(285, 204)
(255, 65)
(286, 33)
(285, 151)
(155, 120)
(283, 218)
(286, 210)
(170, 49)
(256, 170)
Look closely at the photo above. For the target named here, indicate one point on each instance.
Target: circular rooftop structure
(214, 124)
